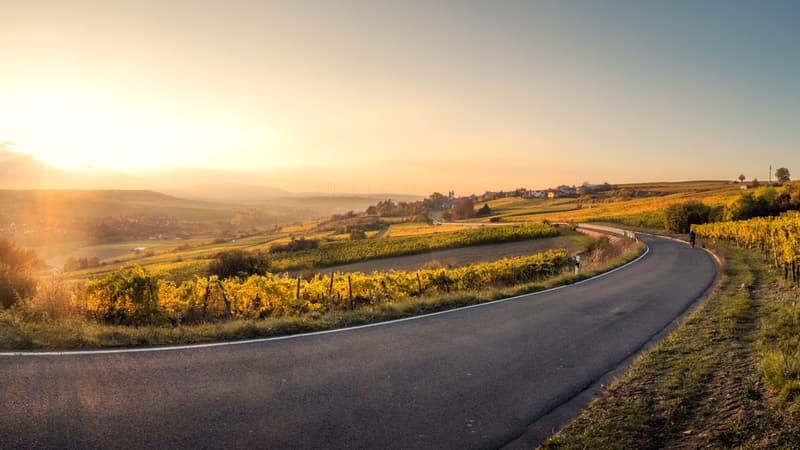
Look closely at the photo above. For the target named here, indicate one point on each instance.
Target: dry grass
(704, 386)
(22, 328)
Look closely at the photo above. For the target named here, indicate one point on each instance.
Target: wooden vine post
(228, 313)
(350, 291)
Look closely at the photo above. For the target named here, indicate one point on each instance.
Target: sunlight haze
(403, 96)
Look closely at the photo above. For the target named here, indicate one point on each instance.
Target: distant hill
(228, 193)
(67, 206)
(22, 170)
(26, 205)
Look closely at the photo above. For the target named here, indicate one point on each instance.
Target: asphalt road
(473, 378)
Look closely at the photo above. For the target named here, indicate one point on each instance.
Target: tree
(742, 178)
(679, 217)
(485, 210)
(782, 175)
(464, 208)
(357, 234)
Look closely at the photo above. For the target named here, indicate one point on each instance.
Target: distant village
(557, 192)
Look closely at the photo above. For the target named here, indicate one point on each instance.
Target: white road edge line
(314, 333)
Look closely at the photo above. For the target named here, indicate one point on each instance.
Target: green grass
(170, 257)
(418, 228)
(343, 252)
(778, 345)
(19, 331)
(718, 381)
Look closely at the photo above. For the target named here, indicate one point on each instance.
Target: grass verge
(17, 333)
(726, 378)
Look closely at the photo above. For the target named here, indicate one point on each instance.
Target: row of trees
(782, 175)
(765, 202)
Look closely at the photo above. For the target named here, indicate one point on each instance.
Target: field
(730, 375)
(180, 260)
(726, 378)
(571, 241)
(638, 205)
(55, 320)
(166, 282)
(634, 204)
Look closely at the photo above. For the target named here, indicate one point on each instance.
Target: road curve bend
(471, 378)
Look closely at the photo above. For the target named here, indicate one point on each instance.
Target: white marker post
(577, 264)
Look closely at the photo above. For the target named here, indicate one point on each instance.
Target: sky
(407, 97)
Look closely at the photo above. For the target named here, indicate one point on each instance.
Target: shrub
(679, 217)
(16, 265)
(295, 245)
(53, 300)
(485, 210)
(125, 297)
(463, 209)
(237, 263)
(356, 235)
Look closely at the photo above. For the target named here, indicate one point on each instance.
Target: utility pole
(770, 174)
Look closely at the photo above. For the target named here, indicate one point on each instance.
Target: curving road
(482, 377)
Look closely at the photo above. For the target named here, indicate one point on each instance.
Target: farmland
(633, 204)
(354, 269)
(314, 249)
(99, 281)
(639, 205)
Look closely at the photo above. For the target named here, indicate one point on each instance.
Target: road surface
(482, 377)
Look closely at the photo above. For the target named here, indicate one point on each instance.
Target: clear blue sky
(409, 96)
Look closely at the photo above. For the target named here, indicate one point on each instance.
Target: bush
(295, 245)
(463, 209)
(72, 263)
(16, 265)
(53, 301)
(14, 285)
(485, 210)
(765, 202)
(237, 263)
(356, 235)
(125, 297)
(678, 218)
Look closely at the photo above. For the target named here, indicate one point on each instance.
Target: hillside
(640, 204)
(36, 205)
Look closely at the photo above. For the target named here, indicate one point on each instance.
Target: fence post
(228, 313)
(297, 295)
(330, 289)
(419, 285)
(205, 298)
(350, 291)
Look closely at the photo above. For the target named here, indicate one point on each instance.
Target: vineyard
(347, 251)
(777, 238)
(132, 296)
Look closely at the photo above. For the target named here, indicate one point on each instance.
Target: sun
(81, 127)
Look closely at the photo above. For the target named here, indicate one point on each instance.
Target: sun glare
(84, 129)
